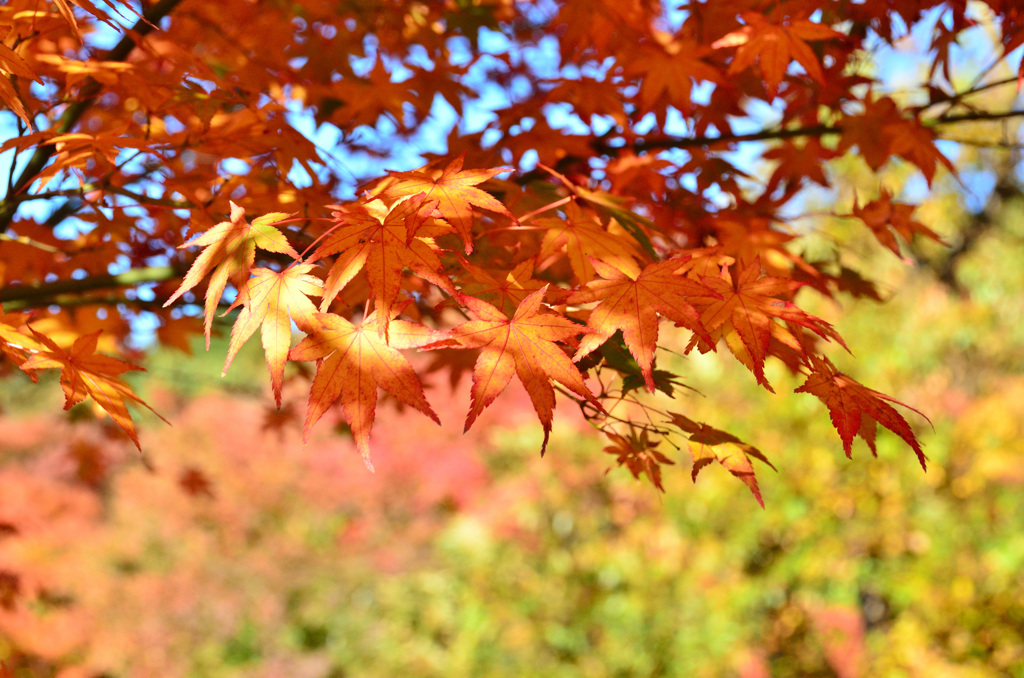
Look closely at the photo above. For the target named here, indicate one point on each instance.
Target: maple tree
(580, 195)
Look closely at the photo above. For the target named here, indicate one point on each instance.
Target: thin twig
(667, 142)
(89, 92)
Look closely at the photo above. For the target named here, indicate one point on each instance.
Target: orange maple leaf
(668, 69)
(64, 7)
(856, 410)
(84, 373)
(774, 46)
(508, 290)
(798, 162)
(881, 131)
(638, 454)
(178, 332)
(524, 346)
(745, 312)
(230, 253)
(16, 341)
(362, 101)
(353, 361)
(883, 214)
(384, 243)
(581, 236)
(631, 300)
(708, 444)
(456, 193)
(590, 97)
(272, 300)
(611, 206)
(11, 62)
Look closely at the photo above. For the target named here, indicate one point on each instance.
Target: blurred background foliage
(232, 550)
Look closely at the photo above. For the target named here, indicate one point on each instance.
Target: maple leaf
(229, 254)
(856, 410)
(195, 483)
(612, 206)
(456, 193)
(384, 243)
(798, 162)
(352, 362)
(638, 454)
(631, 300)
(67, 12)
(915, 142)
(881, 131)
(867, 131)
(774, 46)
(272, 300)
(883, 214)
(582, 237)
(16, 340)
(13, 63)
(524, 346)
(508, 291)
(745, 311)
(84, 373)
(708, 444)
(178, 332)
(668, 71)
(613, 354)
(361, 101)
(590, 97)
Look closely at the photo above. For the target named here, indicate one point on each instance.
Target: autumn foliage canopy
(598, 174)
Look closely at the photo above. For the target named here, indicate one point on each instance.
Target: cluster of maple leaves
(561, 275)
(620, 289)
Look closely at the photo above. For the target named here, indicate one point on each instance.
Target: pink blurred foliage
(132, 560)
(841, 630)
(42, 520)
(753, 665)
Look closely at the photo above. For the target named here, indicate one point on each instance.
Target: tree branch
(662, 143)
(956, 97)
(90, 92)
(974, 116)
(39, 295)
(80, 191)
(71, 301)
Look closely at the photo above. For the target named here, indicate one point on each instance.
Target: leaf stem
(541, 210)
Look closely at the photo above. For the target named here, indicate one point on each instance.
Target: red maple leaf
(84, 373)
(352, 362)
(856, 409)
(638, 454)
(886, 218)
(456, 193)
(708, 444)
(384, 243)
(746, 310)
(631, 300)
(524, 346)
